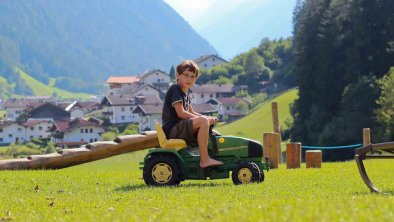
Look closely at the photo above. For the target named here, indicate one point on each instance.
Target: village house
(13, 132)
(148, 114)
(119, 108)
(73, 133)
(122, 84)
(231, 109)
(156, 78)
(209, 61)
(15, 107)
(202, 93)
(48, 111)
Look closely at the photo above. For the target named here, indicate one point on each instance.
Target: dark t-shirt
(170, 117)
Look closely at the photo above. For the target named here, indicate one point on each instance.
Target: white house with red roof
(209, 61)
(122, 84)
(156, 78)
(76, 132)
(13, 132)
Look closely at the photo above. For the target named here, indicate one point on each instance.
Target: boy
(180, 121)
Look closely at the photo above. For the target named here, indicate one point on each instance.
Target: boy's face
(186, 80)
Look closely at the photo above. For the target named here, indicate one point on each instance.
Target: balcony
(109, 113)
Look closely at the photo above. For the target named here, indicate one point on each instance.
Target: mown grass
(259, 121)
(112, 190)
(2, 113)
(41, 89)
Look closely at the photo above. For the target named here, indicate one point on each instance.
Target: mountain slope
(90, 40)
(40, 89)
(256, 123)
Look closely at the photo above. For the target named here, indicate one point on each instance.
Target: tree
(385, 111)
(172, 73)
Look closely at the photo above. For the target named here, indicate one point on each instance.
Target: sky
(235, 26)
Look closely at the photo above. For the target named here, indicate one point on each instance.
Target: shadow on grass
(385, 193)
(133, 187)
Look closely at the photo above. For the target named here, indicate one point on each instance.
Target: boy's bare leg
(202, 125)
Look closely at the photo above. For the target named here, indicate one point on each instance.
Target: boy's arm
(182, 113)
(212, 120)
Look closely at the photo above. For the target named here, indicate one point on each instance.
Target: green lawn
(41, 89)
(256, 123)
(2, 113)
(112, 190)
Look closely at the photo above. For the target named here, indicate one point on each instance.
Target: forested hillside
(343, 50)
(81, 43)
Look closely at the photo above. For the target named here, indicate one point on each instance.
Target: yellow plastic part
(177, 144)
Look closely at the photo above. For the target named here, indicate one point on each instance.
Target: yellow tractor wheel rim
(245, 175)
(162, 173)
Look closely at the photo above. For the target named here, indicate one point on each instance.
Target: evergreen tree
(172, 73)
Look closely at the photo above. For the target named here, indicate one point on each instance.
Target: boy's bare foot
(210, 162)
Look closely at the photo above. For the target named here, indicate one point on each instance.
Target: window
(81, 130)
(95, 140)
(91, 140)
(202, 95)
(122, 109)
(213, 59)
(40, 128)
(32, 128)
(40, 136)
(122, 118)
(86, 130)
(1, 139)
(210, 96)
(81, 140)
(205, 65)
(131, 108)
(19, 129)
(31, 137)
(158, 80)
(1, 130)
(91, 130)
(10, 135)
(146, 89)
(228, 108)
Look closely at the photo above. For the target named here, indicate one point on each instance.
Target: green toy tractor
(175, 162)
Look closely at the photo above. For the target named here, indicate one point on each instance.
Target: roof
(144, 75)
(130, 99)
(232, 100)
(213, 88)
(236, 113)
(4, 124)
(143, 86)
(149, 109)
(122, 79)
(33, 122)
(67, 126)
(205, 57)
(204, 108)
(21, 103)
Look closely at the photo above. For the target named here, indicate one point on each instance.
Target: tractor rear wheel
(161, 170)
(245, 172)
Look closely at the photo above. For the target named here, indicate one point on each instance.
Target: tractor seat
(177, 144)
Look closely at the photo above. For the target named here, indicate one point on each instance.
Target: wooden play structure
(87, 153)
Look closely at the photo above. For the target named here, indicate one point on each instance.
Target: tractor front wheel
(161, 170)
(246, 172)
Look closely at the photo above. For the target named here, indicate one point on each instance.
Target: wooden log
(271, 141)
(275, 121)
(366, 136)
(71, 157)
(293, 155)
(313, 158)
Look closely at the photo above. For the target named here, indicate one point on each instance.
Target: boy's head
(188, 65)
(187, 73)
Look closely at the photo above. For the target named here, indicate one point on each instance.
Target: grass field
(259, 121)
(112, 190)
(2, 113)
(41, 89)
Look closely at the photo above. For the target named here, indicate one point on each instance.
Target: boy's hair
(188, 65)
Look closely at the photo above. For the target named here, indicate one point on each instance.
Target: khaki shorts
(184, 130)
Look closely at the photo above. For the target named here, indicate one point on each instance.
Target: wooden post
(366, 136)
(293, 155)
(313, 158)
(271, 141)
(275, 121)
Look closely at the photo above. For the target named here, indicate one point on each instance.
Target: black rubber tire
(170, 167)
(251, 173)
(262, 177)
